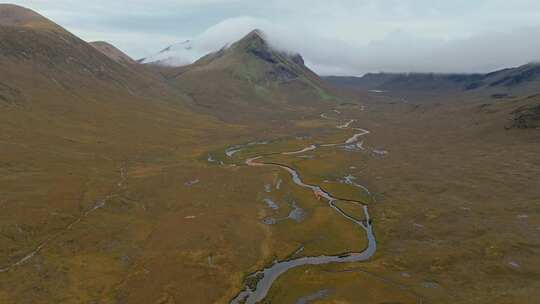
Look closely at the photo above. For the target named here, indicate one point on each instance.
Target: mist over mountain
(178, 54)
(253, 78)
(397, 52)
(224, 169)
(345, 38)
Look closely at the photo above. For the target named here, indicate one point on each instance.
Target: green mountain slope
(250, 78)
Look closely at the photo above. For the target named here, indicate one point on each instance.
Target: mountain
(250, 77)
(54, 85)
(523, 80)
(409, 81)
(112, 52)
(519, 81)
(39, 58)
(179, 54)
(17, 16)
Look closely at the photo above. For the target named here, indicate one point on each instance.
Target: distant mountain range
(520, 81)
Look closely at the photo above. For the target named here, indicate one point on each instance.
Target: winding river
(267, 276)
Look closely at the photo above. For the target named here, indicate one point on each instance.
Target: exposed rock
(282, 73)
(298, 59)
(263, 54)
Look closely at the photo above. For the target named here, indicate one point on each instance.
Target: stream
(267, 276)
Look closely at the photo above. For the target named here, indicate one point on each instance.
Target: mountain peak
(255, 34)
(256, 39)
(14, 15)
(255, 43)
(265, 74)
(178, 54)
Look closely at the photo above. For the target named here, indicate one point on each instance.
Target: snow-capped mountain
(189, 51)
(178, 54)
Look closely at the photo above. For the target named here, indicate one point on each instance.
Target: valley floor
(451, 196)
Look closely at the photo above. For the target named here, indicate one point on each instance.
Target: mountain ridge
(18, 16)
(523, 80)
(112, 52)
(251, 76)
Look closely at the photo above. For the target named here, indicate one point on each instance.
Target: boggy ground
(452, 201)
(455, 213)
(127, 208)
(459, 205)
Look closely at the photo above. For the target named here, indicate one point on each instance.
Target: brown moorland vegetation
(115, 186)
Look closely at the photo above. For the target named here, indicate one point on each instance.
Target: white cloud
(341, 36)
(230, 30)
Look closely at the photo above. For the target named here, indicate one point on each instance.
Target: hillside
(85, 142)
(17, 16)
(250, 78)
(520, 81)
(112, 52)
(512, 82)
(44, 59)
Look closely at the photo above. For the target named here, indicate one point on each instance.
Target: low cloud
(336, 37)
(404, 52)
(398, 51)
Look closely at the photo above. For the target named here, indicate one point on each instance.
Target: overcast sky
(335, 36)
